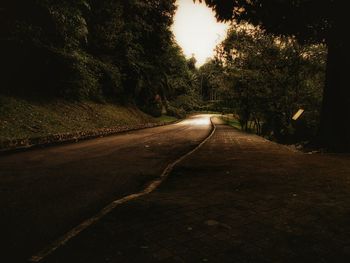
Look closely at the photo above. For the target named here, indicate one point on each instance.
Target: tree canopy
(265, 79)
(92, 49)
(308, 21)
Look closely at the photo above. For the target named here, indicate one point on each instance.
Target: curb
(60, 242)
(21, 145)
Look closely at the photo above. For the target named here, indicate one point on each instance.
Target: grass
(21, 119)
(234, 123)
(232, 120)
(166, 118)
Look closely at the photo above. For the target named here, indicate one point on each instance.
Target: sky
(197, 31)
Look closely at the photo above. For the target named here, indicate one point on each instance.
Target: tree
(271, 78)
(211, 80)
(310, 21)
(116, 50)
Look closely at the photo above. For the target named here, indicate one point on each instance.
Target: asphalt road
(46, 192)
(238, 198)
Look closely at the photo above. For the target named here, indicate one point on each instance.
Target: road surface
(46, 192)
(239, 198)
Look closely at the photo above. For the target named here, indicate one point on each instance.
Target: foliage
(23, 118)
(305, 19)
(266, 79)
(211, 80)
(93, 49)
(308, 21)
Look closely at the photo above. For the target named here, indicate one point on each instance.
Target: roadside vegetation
(116, 51)
(123, 54)
(264, 80)
(23, 119)
(62, 60)
(307, 22)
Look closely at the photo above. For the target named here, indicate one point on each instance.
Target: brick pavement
(239, 198)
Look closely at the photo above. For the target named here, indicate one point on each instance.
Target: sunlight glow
(197, 120)
(197, 31)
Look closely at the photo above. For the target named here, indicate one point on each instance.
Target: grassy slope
(25, 119)
(232, 120)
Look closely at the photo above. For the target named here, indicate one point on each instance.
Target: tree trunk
(335, 115)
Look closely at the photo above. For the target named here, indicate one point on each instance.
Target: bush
(154, 109)
(176, 112)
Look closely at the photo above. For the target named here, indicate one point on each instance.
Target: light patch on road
(203, 121)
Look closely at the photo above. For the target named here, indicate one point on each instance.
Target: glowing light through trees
(197, 31)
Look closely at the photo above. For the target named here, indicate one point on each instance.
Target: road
(46, 192)
(238, 198)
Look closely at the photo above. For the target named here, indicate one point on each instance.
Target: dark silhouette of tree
(192, 63)
(310, 21)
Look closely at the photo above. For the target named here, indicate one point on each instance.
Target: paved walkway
(239, 198)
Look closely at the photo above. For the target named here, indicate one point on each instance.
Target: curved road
(46, 192)
(239, 198)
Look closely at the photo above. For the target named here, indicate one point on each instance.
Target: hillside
(23, 119)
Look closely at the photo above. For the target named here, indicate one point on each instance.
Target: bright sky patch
(197, 31)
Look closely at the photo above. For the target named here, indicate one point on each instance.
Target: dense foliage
(308, 20)
(265, 79)
(115, 50)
